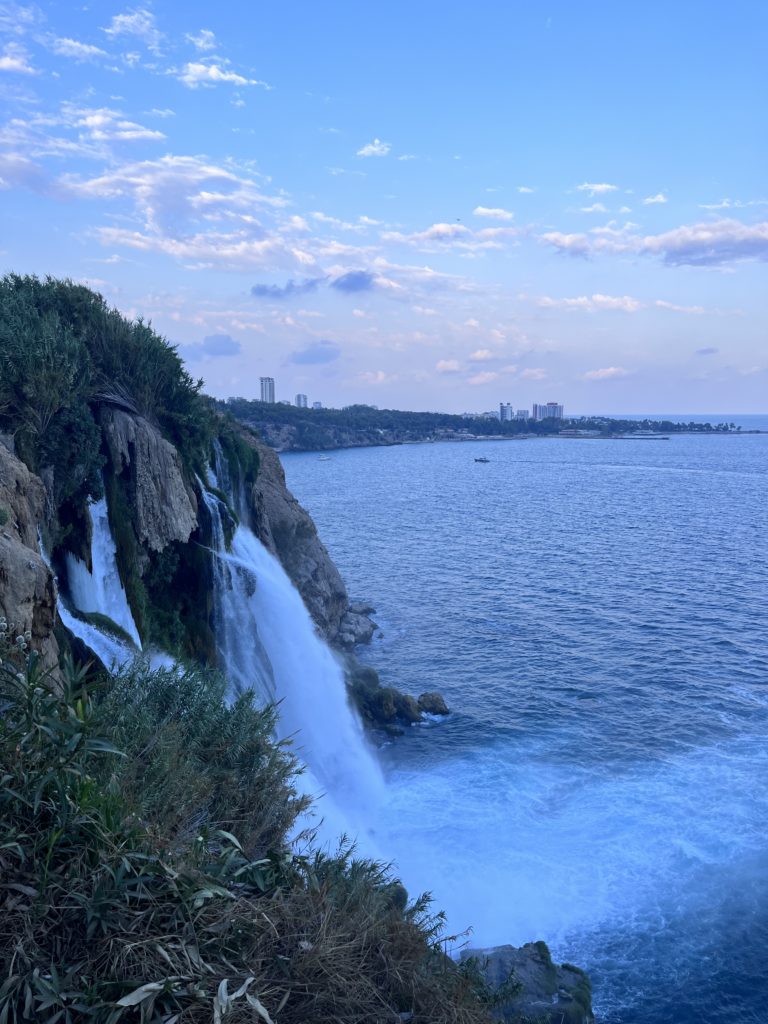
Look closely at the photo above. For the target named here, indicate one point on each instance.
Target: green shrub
(124, 899)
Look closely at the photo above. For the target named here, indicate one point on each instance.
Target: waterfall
(264, 629)
(100, 590)
(238, 641)
(111, 651)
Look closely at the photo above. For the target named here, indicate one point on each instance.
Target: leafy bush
(63, 352)
(123, 899)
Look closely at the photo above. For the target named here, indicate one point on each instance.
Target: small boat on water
(482, 459)
(324, 458)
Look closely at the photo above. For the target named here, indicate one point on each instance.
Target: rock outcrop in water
(546, 993)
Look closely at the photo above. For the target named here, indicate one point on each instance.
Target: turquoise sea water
(596, 614)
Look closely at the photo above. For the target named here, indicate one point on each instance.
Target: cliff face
(27, 589)
(164, 506)
(289, 533)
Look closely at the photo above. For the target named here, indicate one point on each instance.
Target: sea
(595, 613)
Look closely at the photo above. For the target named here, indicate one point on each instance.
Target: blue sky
(423, 205)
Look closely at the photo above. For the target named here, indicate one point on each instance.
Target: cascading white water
(101, 590)
(262, 621)
(112, 652)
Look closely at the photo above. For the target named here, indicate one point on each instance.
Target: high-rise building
(267, 389)
(317, 405)
(550, 411)
(301, 401)
(522, 414)
(506, 412)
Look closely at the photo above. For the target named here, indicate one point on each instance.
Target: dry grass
(114, 908)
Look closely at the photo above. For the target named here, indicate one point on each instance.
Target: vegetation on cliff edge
(147, 876)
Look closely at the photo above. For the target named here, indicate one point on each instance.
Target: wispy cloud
(525, 190)
(76, 50)
(704, 245)
(448, 366)
(484, 377)
(607, 373)
(139, 23)
(594, 208)
(204, 40)
(593, 303)
(675, 308)
(375, 148)
(659, 198)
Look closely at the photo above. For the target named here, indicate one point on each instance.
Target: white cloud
(203, 41)
(408, 156)
(495, 212)
(18, 20)
(534, 373)
(607, 373)
(481, 355)
(525, 190)
(593, 303)
(485, 377)
(438, 237)
(596, 189)
(78, 51)
(198, 213)
(195, 74)
(139, 23)
(704, 245)
(653, 200)
(594, 208)
(448, 366)
(377, 377)
(724, 241)
(15, 59)
(375, 148)
(673, 307)
(733, 204)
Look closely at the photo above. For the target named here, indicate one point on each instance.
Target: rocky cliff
(288, 531)
(27, 591)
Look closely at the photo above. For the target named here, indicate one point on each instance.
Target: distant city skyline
(315, 194)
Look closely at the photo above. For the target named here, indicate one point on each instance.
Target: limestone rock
(355, 628)
(27, 588)
(165, 509)
(288, 532)
(548, 993)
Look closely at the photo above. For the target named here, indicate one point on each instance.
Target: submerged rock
(546, 993)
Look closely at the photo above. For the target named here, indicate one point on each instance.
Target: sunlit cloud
(659, 198)
(493, 212)
(375, 148)
(596, 188)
